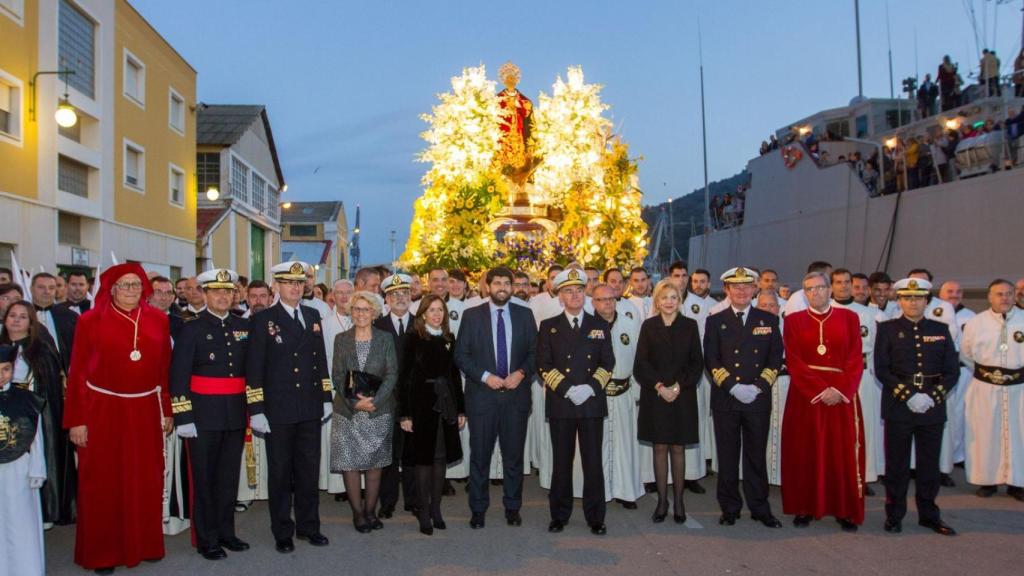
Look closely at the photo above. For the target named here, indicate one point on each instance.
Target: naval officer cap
(291, 270)
(739, 275)
(570, 277)
(218, 278)
(913, 287)
(396, 282)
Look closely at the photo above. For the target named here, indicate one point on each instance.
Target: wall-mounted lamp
(65, 116)
(212, 193)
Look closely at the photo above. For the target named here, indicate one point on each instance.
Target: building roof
(206, 218)
(224, 124)
(314, 252)
(312, 212)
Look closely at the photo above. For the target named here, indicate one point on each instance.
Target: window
(176, 183)
(134, 78)
(840, 128)
(134, 166)
(13, 9)
(239, 180)
(69, 229)
(72, 177)
(207, 172)
(259, 189)
(76, 47)
(302, 229)
(10, 108)
(176, 112)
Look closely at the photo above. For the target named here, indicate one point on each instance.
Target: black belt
(616, 386)
(999, 376)
(919, 380)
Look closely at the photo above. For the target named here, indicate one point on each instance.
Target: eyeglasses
(129, 285)
(362, 310)
(816, 289)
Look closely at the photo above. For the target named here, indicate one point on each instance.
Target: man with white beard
(870, 393)
(952, 292)
(992, 347)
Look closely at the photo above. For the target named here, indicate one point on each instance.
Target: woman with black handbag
(432, 407)
(364, 374)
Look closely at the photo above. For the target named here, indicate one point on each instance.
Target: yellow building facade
(120, 183)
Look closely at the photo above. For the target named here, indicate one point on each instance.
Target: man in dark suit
(396, 322)
(743, 354)
(496, 350)
(59, 320)
(917, 363)
(163, 298)
(288, 390)
(575, 360)
(78, 293)
(208, 401)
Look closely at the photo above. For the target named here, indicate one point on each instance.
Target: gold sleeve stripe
(602, 376)
(719, 375)
(769, 375)
(253, 395)
(553, 379)
(327, 385)
(181, 404)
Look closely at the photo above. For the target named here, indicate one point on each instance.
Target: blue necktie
(501, 364)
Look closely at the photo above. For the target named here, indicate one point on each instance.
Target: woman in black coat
(432, 407)
(38, 368)
(668, 366)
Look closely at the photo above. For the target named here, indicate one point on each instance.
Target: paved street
(990, 543)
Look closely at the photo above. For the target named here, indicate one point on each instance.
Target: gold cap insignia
(574, 274)
(912, 285)
(223, 276)
(741, 273)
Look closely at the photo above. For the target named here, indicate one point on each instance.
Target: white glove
(187, 431)
(328, 410)
(745, 393)
(35, 482)
(259, 423)
(579, 394)
(920, 403)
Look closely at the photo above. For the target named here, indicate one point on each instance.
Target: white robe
(21, 515)
(333, 324)
(994, 415)
(175, 481)
(538, 435)
(698, 309)
(870, 393)
(955, 399)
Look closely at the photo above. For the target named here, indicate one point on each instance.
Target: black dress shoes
(679, 518)
(213, 553)
(893, 526)
(769, 521)
(316, 538)
(374, 523)
(513, 518)
(387, 511)
(846, 525)
(1015, 492)
(727, 519)
(868, 490)
(802, 521)
(426, 528)
(985, 491)
(477, 521)
(106, 570)
(361, 526)
(448, 489)
(556, 526)
(598, 529)
(285, 545)
(947, 481)
(628, 505)
(693, 486)
(937, 526)
(235, 544)
(439, 524)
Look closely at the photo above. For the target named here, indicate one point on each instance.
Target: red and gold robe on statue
(121, 402)
(516, 121)
(823, 446)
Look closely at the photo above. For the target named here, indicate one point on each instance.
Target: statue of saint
(517, 115)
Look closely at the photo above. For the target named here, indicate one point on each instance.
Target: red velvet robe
(120, 471)
(823, 446)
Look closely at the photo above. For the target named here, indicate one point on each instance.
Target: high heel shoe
(374, 523)
(679, 518)
(439, 523)
(659, 513)
(361, 526)
(679, 512)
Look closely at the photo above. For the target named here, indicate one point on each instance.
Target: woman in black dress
(38, 369)
(432, 408)
(668, 365)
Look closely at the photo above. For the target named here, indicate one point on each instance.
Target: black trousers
(293, 459)
(927, 438)
(500, 418)
(564, 434)
(214, 456)
(747, 430)
(396, 475)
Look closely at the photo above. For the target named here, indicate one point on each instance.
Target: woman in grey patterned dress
(361, 432)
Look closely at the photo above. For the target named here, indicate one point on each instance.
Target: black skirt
(661, 422)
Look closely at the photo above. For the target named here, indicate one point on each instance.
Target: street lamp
(66, 116)
(212, 193)
(286, 205)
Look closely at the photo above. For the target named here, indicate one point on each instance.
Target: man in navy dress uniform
(917, 363)
(575, 360)
(288, 390)
(208, 401)
(743, 354)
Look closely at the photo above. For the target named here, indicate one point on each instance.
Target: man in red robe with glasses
(118, 410)
(823, 433)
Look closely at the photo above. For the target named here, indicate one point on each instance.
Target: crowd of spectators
(727, 210)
